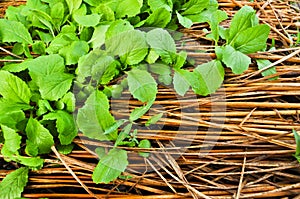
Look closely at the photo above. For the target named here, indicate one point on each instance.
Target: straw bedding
(237, 143)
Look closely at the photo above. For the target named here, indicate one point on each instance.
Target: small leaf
(128, 8)
(144, 144)
(13, 89)
(65, 149)
(262, 63)
(87, 20)
(164, 72)
(159, 18)
(13, 31)
(182, 81)
(98, 37)
(73, 5)
(154, 119)
(237, 61)
(123, 134)
(297, 139)
(13, 184)
(142, 85)
(73, 52)
(194, 6)
(139, 111)
(39, 139)
(31, 162)
(110, 166)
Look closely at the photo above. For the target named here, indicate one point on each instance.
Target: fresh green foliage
(81, 47)
(297, 139)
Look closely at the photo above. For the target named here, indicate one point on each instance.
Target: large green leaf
(13, 31)
(128, 8)
(65, 125)
(142, 85)
(131, 46)
(13, 184)
(12, 141)
(110, 166)
(13, 89)
(94, 118)
(252, 39)
(39, 139)
(210, 75)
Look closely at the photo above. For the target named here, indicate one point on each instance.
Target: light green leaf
(297, 139)
(107, 14)
(118, 27)
(157, 4)
(142, 85)
(110, 166)
(57, 14)
(55, 86)
(12, 141)
(154, 119)
(128, 8)
(65, 125)
(184, 21)
(94, 118)
(182, 81)
(39, 139)
(242, 20)
(43, 107)
(65, 149)
(31, 162)
(123, 134)
(163, 44)
(98, 37)
(73, 5)
(252, 39)
(13, 31)
(11, 113)
(164, 72)
(73, 52)
(60, 41)
(140, 111)
(13, 89)
(13, 184)
(87, 20)
(262, 63)
(210, 75)
(131, 46)
(69, 100)
(237, 61)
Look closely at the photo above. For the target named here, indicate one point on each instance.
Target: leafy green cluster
(75, 48)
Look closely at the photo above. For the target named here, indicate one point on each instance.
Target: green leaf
(98, 65)
(13, 184)
(237, 61)
(12, 141)
(94, 118)
(57, 14)
(110, 166)
(252, 39)
(73, 5)
(262, 63)
(69, 100)
(184, 21)
(60, 41)
(131, 46)
(14, 89)
(115, 126)
(159, 18)
(65, 125)
(142, 85)
(98, 37)
(157, 4)
(11, 113)
(54, 86)
(123, 134)
(154, 119)
(163, 44)
(182, 81)
(118, 27)
(210, 75)
(65, 149)
(87, 20)
(39, 139)
(31, 162)
(243, 19)
(139, 111)
(43, 107)
(144, 144)
(194, 7)
(164, 72)
(13, 31)
(297, 139)
(73, 52)
(128, 8)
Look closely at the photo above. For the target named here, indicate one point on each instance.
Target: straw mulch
(237, 143)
